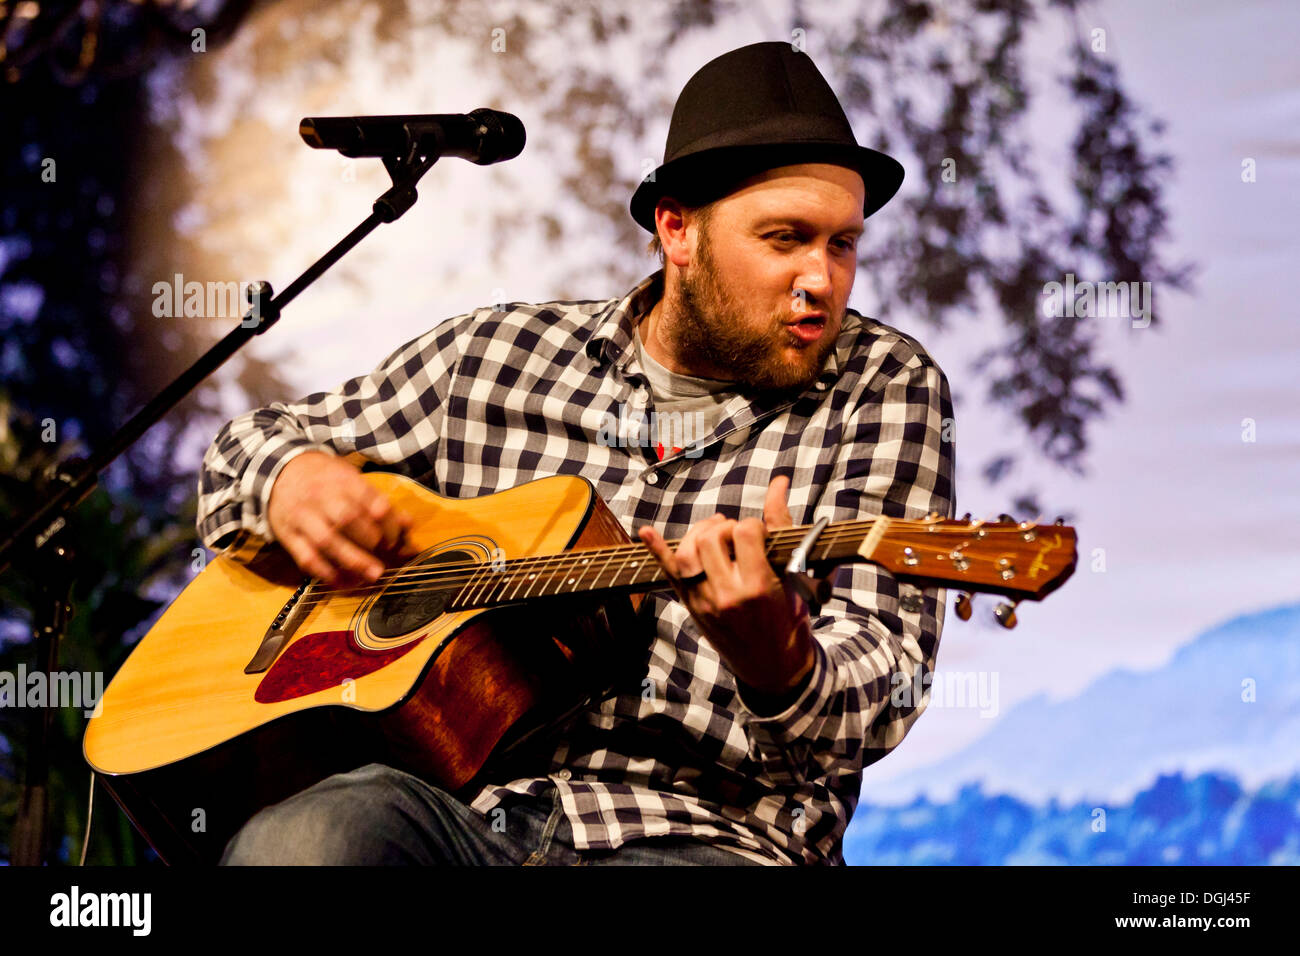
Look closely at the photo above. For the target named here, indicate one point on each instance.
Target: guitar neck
(629, 568)
(1022, 560)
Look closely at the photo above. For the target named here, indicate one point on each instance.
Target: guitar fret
(553, 581)
(499, 584)
(521, 578)
(577, 579)
(558, 577)
(466, 592)
(606, 565)
(483, 571)
(463, 599)
(532, 579)
(622, 567)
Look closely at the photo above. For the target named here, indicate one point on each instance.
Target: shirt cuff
(260, 474)
(773, 705)
(782, 742)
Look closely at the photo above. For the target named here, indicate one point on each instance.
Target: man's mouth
(808, 327)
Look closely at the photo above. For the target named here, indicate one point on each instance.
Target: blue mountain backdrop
(1195, 763)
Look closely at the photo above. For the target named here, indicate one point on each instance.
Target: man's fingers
(714, 549)
(653, 540)
(659, 548)
(688, 547)
(750, 539)
(335, 518)
(308, 558)
(775, 512)
(353, 518)
(337, 549)
(368, 518)
(393, 524)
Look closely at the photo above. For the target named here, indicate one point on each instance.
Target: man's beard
(709, 328)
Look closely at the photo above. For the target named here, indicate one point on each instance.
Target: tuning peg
(963, 605)
(966, 516)
(1006, 517)
(1005, 613)
(1059, 520)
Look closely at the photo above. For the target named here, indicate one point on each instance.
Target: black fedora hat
(753, 109)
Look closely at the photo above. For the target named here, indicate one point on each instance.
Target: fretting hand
(758, 625)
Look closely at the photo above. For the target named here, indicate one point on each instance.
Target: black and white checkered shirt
(500, 396)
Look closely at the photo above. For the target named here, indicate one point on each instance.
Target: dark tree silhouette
(988, 240)
(81, 352)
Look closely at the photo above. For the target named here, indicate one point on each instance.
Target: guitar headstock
(1020, 559)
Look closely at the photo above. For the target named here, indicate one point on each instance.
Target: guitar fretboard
(629, 567)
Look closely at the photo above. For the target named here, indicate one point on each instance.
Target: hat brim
(702, 177)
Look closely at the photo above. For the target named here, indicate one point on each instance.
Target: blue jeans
(378, 815)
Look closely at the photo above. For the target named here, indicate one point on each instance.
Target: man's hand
(759, 626)
(331, 520)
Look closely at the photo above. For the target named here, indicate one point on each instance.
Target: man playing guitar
(747, 739)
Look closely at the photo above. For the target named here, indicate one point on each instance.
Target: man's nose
(814, 279)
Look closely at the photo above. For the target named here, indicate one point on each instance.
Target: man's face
(762, 298)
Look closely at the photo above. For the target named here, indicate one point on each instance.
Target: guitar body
(191, 744)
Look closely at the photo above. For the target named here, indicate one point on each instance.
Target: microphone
(483, 136)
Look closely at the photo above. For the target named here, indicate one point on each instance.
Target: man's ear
(670, 223)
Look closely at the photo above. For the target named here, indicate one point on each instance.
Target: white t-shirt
(686, 408)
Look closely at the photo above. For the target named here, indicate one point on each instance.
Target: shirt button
(562, 774)
(652, 479)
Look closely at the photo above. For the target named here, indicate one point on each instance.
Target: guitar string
(584, 577)
(541, 562)
(493, 594)
(549, 564)
(529, 569)
(577, 561)
(546, 566)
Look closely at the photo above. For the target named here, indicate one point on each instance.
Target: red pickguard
(320, 661)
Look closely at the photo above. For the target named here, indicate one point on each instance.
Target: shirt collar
(613, 339)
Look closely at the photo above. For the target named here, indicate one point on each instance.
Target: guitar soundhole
(408, 605)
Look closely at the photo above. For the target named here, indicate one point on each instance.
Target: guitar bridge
(278, 634)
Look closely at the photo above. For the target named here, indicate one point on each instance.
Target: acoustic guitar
(511, 613)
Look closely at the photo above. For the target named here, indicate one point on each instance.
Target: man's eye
(783, 236)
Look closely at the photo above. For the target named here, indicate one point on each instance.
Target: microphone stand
(37, 538)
